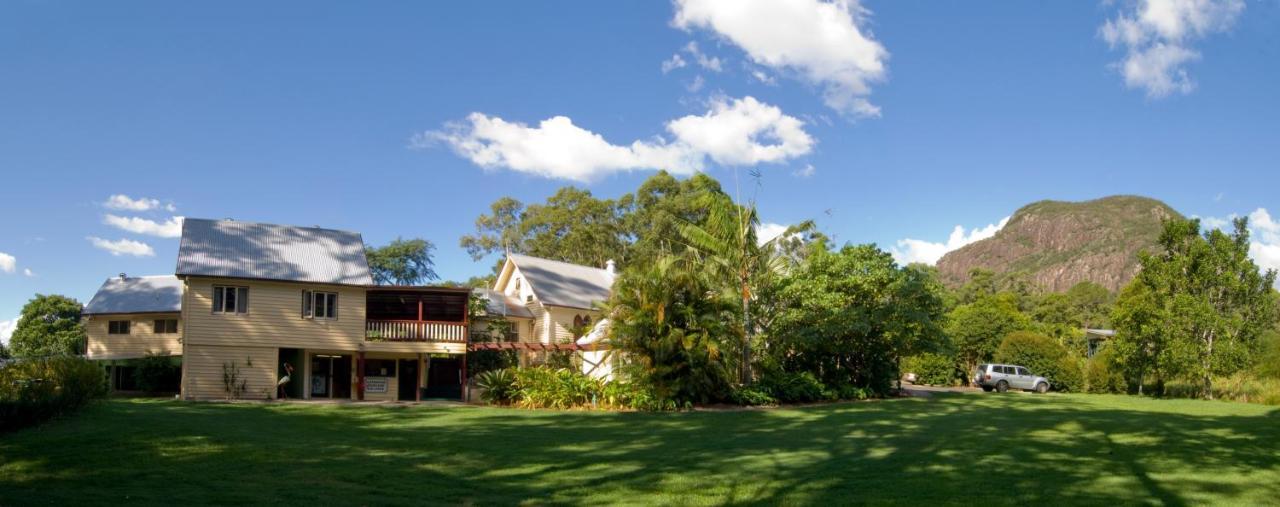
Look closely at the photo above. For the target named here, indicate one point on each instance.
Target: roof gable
(559, 283)
(227, 248)
(148, 294)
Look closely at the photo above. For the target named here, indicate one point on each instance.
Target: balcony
(415, 331)
(416, 314)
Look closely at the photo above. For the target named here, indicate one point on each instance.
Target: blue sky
(885, 121)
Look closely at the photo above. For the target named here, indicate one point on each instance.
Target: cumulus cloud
(732, 133)
(125, 203)
(824, 43)
(710, 63)
(6, 330)
(806, 171)
(8, 262)
(28, 272)
(1157, 36)
(917, 250)
(171, 228)
(123, 247)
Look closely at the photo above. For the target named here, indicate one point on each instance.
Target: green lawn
(953, 448)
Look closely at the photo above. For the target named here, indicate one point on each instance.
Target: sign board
(375, 384)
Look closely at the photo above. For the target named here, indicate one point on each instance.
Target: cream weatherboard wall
(203, 366)
(141, 340)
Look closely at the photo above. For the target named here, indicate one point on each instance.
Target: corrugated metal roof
(502, 304)
(563, 284)
(228, 248)
(144, 294)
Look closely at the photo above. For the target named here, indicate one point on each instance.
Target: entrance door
(444, 378)
(408, 380)
(330, 376)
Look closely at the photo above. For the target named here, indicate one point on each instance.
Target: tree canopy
(402, 262)
(49, 325)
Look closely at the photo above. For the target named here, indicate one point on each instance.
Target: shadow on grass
(948, 448)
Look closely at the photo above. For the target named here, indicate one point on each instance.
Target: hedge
(35, 390)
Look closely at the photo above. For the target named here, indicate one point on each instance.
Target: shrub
(852, 392)
(542, 387)
(499, 386)
(1043, 356)
(154, 374)
(931, 369)
(802, 387)
(1103, 375)
(480, 361)
(35, 390)
(753, 396)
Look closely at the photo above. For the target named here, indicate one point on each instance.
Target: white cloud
(732, 133)
(7, 262)
(124, 202)
(123, 247)
(806, 171)
(171, 228)
(6, 330)
(710, 63)
(675, 62)
(1157, 37)
(696, 85)
(28, 273)
(917, 250)
(1264, 226)
(767, 231)
(824, 43)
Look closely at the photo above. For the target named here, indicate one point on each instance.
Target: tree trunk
(745, 370)
(1207, 364)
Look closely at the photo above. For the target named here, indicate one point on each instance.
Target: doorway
(444, 378)
(331, 376)
(407, 388)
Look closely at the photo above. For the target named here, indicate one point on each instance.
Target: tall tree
(977, 328)
(1213, 301)
(402, 262)
(572, 226)
(48, 326)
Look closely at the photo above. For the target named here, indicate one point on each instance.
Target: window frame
(119, 327)
(314, 300)
(241, 299)
(164, 327)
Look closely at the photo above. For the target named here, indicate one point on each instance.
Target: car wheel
(1002, 386)
(986, 388)
(1042, 388)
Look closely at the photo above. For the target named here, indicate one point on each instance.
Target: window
(230, 299)
(319, 305)
(118, 327)
(166, 326)
(1022, 371)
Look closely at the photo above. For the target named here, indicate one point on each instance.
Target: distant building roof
(502, 304)
(147, 294)
(1100, 333)
(233, 249)
(563, 284)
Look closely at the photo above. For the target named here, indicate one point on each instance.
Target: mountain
(1058, 244)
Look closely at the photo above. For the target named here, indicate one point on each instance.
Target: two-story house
(255, 296)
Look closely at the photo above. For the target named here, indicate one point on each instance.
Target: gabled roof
(233, 249)
(147, 294)
(502, 304)
(563, 284)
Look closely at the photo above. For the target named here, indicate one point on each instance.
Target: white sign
(375, 384)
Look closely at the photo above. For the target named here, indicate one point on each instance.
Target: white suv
(1003, 377)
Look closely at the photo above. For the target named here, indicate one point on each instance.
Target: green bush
(542, 387)
(154, 374)
(852, 392)
(753, 396)
(1043, 356)
(1103, 375)
(35, 390)
(931, 369)
(499, 386)
(801, 387)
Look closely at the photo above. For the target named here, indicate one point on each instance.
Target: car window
(1022, 371)
(982, 368)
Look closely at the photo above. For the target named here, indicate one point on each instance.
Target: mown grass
(973, 449)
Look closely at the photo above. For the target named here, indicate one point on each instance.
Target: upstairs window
(319, 305)
(118, 327)
(166, 326)
(227, 299)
